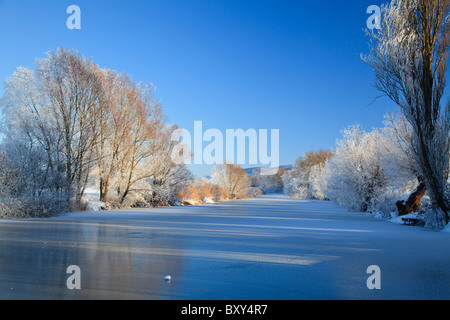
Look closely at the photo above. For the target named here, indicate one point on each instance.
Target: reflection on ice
(265, 248)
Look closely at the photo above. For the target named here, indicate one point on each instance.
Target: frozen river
(267, 248)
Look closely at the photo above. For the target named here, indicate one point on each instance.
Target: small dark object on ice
(411, 221)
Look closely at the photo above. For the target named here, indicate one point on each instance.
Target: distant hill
(285, 167)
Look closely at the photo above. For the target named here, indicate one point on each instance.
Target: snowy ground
(269, 247)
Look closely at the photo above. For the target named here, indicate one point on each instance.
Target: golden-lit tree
(233, 178)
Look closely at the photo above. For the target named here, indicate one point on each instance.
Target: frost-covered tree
(316, 182)
(304, 180)
(268, 183)
(134, 147)
(167, 177)
(233, 178)
(33, 144)
(354, 175)
(202, 190)
(409, 57)
(72, 87)
(400, 165)
(11, 183)
(69, 123)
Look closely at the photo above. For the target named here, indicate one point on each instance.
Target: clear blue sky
(264, 64)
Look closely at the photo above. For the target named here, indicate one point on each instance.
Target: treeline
(372, 172)
(409, 55)
(228, 181)
(70, 128)
(69, 124)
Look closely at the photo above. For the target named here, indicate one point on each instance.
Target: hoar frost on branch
(409, 57)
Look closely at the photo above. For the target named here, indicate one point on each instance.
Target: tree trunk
(413, 202)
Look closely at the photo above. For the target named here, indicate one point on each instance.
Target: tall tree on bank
(409, 57)
(72, 88)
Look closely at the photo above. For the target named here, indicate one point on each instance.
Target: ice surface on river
(269, 247)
